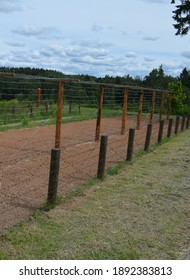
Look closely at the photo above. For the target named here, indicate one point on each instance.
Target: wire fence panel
(28, 131)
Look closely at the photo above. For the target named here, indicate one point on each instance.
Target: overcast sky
(95, 37)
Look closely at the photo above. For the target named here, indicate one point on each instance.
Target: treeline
(156, 79)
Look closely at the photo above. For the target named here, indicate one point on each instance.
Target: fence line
(105, 109)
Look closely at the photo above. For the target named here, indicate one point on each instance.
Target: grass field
(142, 212)
(22, 117)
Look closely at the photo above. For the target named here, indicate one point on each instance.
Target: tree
(185, 77)
(185, 80)
(182, 17)
(179, 105)
(155, 79)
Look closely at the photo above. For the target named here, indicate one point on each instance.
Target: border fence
(56, 134)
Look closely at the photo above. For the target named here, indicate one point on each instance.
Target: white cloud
(47, 32)
(150, 38)
(10, 6)
(186, 54)
(148, 59)
(96, 28)
(76, 37)
(15, 44)
(131, 54)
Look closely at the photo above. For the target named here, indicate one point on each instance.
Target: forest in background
(156, 79)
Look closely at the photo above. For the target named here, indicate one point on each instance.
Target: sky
(99, 37)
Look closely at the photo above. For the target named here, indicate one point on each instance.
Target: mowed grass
(143, 212)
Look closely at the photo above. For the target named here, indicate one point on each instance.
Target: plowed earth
(25, 161)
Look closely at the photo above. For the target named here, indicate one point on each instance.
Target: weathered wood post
(99, 116)
(183, 123)
(53, 176)
(169, 128)
(130, 144)
(148, 137)
(161, 106)
(187, 123)
(124, 115)
(30, 107)
(160, 132)
(152, 107)
(169, 106)
(102, 157)
(139, 115)
(177, 125)
(47, 108)
(59, 114)
(55, 153)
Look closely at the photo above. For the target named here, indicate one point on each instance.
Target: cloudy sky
(95, 37)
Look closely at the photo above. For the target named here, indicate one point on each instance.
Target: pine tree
(182, 17)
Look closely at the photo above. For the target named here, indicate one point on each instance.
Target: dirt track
(25, 160)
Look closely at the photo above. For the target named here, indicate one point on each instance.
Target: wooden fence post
(102, 156)
(169, 106)
(160, 132)
(170, 127)
(187, 123)
(139, 115)
(130, 144)
(30, 107)
(152, 106)
(99, 116)
(47, 108)
(161, 106)
(59, 114)
(183, 123)
(148, 137)
(53, 176)
(124, 115)
(177, 124)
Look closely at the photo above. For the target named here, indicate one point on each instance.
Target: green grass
(39, 118)
(141, 213)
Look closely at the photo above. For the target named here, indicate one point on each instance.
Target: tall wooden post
(152, 106)
(59, 114)
(169, 106)
(124, 115)
(99, 116)
(139, 115)
(161, 106)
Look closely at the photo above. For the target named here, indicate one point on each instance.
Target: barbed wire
(25, 152)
